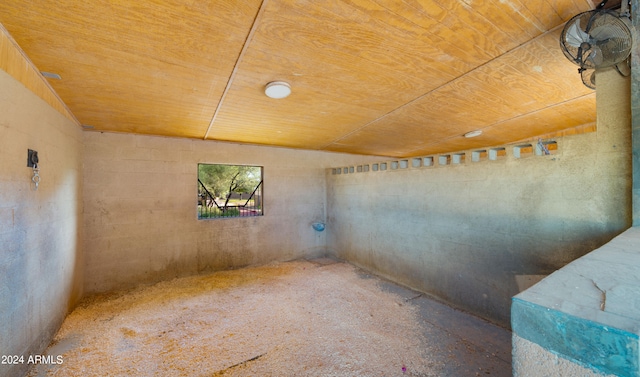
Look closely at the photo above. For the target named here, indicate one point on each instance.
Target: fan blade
(603, 32)
(575, 36)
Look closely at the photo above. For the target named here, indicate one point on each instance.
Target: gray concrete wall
(583, 319)
(40, 231)
(635, 107)
(477, 233)
(140, 196)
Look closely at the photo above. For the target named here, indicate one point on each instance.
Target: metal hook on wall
(32, 162)
(36, 176)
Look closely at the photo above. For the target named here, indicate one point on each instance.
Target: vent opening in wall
(497, 153)
(394, 165)
(345, 170)
(546, 148)
(444, 159)
(458, 158)
(383, 166)
(427, 161)
(374, 167)
(522, 151)
(351, 169)
(416, 163)
(359, 169)
(477, 156)
(365, 168)
(404, 164)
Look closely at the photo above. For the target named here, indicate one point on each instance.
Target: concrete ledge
(589, 344)
(588, 312)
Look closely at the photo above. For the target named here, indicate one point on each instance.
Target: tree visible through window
(229, 191)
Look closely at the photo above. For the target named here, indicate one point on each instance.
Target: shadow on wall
(477, 268)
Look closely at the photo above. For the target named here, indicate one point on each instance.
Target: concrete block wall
(476, 233)
(140, 196)
(585, 316)
(41, 265)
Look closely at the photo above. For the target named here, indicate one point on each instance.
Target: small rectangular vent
(50, 75)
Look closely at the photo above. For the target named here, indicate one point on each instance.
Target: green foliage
(221, 179)
(215, 212)
(231, 212)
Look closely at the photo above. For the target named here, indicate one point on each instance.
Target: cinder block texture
(468, 233)
(40, 231)
(140, 197)
(587, 312)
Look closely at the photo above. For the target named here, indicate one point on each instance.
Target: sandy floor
(298, 318)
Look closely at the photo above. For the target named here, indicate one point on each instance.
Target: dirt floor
(288, 319)
(300, 318)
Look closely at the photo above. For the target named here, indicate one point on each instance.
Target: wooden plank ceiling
(396, 78)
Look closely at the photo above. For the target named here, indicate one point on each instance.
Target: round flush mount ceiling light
(277, 89)
(473, 133)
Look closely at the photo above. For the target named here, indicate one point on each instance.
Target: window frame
(210, 207)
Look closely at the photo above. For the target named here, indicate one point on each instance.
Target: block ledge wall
(587, 313)
(475, 234)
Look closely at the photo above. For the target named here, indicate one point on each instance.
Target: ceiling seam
(441, 86)
(510, 119)
(245, 46)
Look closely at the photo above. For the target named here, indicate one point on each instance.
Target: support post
(635, 111)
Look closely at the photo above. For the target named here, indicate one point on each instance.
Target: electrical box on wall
(32, 158)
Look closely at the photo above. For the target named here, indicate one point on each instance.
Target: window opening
(229, 191)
